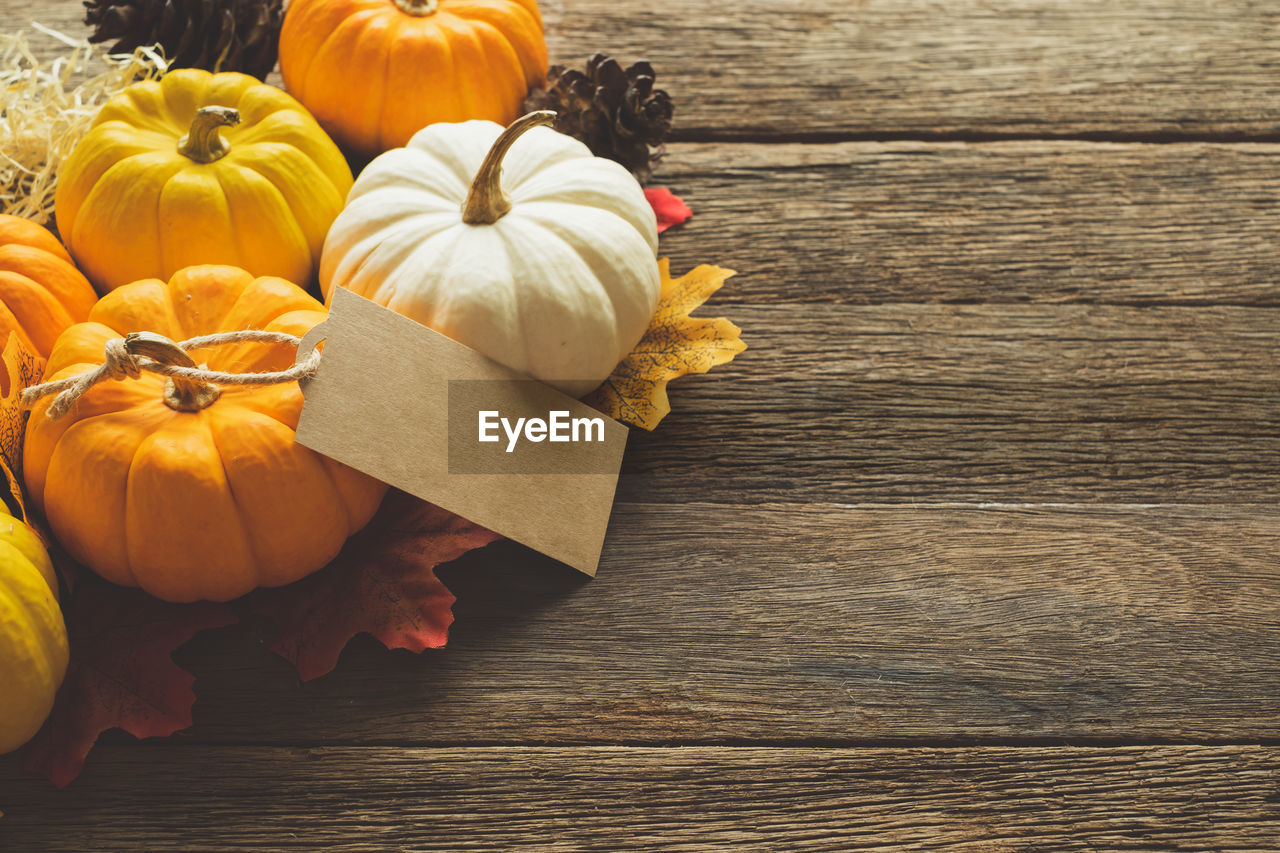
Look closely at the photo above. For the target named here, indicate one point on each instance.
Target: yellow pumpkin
(41, 291)
(200, 168)
(376, 71)
(33, 638)
(187, 490)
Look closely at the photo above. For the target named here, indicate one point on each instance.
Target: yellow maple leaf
(674, 345)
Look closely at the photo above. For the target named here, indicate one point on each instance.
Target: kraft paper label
(423, 413)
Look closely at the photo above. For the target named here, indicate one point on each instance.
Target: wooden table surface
(976, 547)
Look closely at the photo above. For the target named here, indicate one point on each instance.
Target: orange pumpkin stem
(417, 8)
(180, 393)
(202, 142)
(487, 203)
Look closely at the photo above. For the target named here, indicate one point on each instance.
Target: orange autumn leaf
(674, 345)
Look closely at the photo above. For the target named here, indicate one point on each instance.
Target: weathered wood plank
(1001, 222)
(980, 67)
(790, 623)
(343, 799)
(822, 68)
(975, 402)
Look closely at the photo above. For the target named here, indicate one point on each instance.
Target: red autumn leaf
(383, 583)
(669, 208)
(121, 673)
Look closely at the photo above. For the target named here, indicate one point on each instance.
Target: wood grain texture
(873, 68)
(975, 402)
(997, 222)
(692, 800)
(998, 474)
(919, 67)
(814, 623)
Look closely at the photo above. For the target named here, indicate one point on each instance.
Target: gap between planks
(1117, 137)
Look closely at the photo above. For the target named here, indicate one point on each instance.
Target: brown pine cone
(216, 35)
(617, 113)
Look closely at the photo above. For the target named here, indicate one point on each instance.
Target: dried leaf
(674, 345)
(121, 674)
(21, 368)
(669, 208)
(383, 583)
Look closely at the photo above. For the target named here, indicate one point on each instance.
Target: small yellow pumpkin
(374, 72)
(187, 490)
(200, 168)
(33, 638)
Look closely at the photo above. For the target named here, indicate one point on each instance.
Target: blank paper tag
(426, 414)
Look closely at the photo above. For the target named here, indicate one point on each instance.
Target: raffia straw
(46, 106)
(120, 363)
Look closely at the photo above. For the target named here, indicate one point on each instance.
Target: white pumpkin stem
(487, 203)
(202, 142)
(417, 8)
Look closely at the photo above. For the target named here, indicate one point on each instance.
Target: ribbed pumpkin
(537, 254)
(41, 291)
(33, 638)
(200, 168)
(182, 491)
(374, 72)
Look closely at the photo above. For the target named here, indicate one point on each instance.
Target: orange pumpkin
(373, 72)
(186, 490)
(41, 291)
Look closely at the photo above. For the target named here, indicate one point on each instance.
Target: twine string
(121, 363)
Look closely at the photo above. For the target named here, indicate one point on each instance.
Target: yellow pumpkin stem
(417, 8)
(487, 203)
(180, 393)
(202, 142)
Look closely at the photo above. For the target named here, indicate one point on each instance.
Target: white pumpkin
(557, 280)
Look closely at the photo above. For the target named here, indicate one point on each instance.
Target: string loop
(130, 356)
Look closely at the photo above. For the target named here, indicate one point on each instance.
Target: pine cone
(216, 35)
(617, 113)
